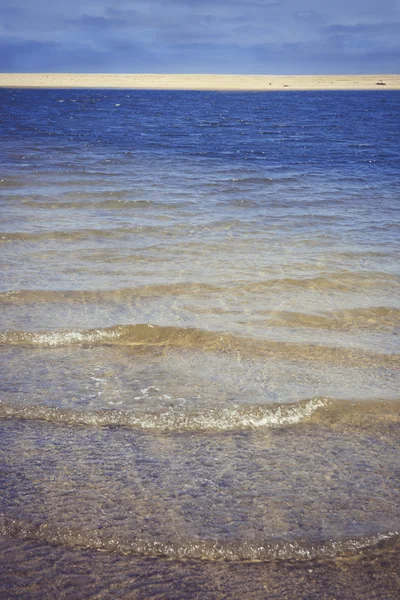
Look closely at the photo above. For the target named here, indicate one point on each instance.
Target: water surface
(199, 335)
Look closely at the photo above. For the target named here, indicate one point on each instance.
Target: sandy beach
(201, 82)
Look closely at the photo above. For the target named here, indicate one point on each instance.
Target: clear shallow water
(199, 335)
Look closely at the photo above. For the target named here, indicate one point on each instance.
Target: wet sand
(201, 82)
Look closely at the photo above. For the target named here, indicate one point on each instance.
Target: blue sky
(200, 36)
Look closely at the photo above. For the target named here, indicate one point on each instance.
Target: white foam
(63, 338)
(298, 550)
(217, 420)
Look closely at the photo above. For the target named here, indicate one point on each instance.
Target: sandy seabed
(201, 82)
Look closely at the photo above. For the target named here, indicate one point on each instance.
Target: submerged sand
(201, 82)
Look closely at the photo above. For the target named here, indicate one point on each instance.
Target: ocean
(199, 339)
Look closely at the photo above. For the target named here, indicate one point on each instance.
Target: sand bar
(200, 82)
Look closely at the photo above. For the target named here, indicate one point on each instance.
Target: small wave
(71, 235)
(370, 318)
(346, 281)
(327, 412)
(212, 550)
(103, 200)
(237, 418)
(242, 182)
(61, 338)
(11, 183)
(89, 233)
(19, 297)
(256, 180)
(146, 335)
(125, 204)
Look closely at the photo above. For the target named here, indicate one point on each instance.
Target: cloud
(378, 29)
(96, 22)
(20, 55)
(273, 36)
(309, 17)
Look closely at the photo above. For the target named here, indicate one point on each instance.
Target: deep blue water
(356, 132)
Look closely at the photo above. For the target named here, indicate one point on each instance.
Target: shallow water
(199, 336)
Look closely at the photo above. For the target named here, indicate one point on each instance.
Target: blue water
(326, 130)
(199, 324)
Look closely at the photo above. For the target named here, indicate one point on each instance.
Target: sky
(200, 36)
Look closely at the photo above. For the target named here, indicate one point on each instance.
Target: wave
(19, 297)
(258, 180)
(229, 184)
(259, 550)
(12, 183)
(147, 335)
(82, 234)
(354, 282)
(328, 412)
(236, 418)
(103, 200)
(344, 281)
(369, 318)
(78, 234)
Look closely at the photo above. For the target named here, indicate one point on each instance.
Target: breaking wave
(236, 418)
(263, 550)
(147, 335)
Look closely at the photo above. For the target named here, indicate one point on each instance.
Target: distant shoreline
(201, 82)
